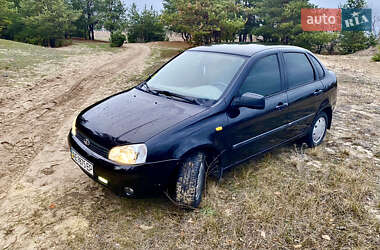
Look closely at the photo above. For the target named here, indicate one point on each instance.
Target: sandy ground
(34, 164)
(46, 200)
(105, 36)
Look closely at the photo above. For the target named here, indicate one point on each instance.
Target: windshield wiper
(171, 94)
(167, 93)
(147, 88)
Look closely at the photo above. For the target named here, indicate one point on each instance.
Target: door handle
(318, 91)
(281, 105)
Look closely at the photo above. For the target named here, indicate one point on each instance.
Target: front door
(251, 131)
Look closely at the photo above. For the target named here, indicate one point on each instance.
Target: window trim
(286, 71)
(316, 59)
(280, 70)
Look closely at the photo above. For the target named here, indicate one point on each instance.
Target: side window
(264, 77)
(321, 72)
(298, 68)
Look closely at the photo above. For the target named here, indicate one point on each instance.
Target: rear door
(304, 92)
(251, 131)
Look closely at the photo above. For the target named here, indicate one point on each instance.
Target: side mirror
(249, 100)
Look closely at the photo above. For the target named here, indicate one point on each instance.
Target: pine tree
(145, 26)
(204, 21)
(352, 41)
(112, 15)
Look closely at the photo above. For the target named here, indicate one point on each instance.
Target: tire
(317, 131)
(191, 180)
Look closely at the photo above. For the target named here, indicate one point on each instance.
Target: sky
(157, 4)
(375, 4)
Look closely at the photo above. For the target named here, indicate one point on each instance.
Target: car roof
(243, 49)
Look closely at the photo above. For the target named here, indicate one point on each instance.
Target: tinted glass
(197, 74)
(264, 77)
(321, 72)
(299, 69)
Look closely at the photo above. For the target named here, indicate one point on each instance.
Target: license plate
(82, 162)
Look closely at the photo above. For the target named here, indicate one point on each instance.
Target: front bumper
(143, 179)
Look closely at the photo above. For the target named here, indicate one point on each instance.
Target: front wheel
(317, 130)
(191, 180)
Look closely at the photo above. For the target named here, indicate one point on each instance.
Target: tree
(251, 22)
(170, 12)
(48, 22)
(5, 13)
(280, 20)
(40, 22)
(145, 26)
(89, 17)
(355, 4)
(204, 21)
(112, 15)
(352, 41)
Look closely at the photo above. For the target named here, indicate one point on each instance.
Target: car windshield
(195, 74)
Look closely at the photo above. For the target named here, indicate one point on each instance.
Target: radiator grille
(95, 147)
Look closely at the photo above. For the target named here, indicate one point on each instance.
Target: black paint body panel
(133, 116)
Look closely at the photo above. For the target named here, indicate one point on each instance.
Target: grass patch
(281, 200)
(169, 53)
(173, 45)
(22, 63)
(97, 46)
(376, 58)
(15, 55)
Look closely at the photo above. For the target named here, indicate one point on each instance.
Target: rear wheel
(317, 130)
(191, 180)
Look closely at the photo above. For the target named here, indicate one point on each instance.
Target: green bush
(372, 40)
(63, 42)
(117, 39)
(376, 58)
(353, 41)
(318, 42)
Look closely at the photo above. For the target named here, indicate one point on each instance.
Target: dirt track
(34, 164)
(46, 201)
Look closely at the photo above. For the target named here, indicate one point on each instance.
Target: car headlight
(74, 127)
(129, 154)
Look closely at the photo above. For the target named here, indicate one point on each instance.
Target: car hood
(133, 116)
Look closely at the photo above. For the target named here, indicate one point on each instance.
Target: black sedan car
(206, 110)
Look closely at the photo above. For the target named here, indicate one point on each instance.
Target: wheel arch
(327, 108)
(328, 111)
(209, 149)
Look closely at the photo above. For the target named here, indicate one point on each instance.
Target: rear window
(299, 69)
(318, 66)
